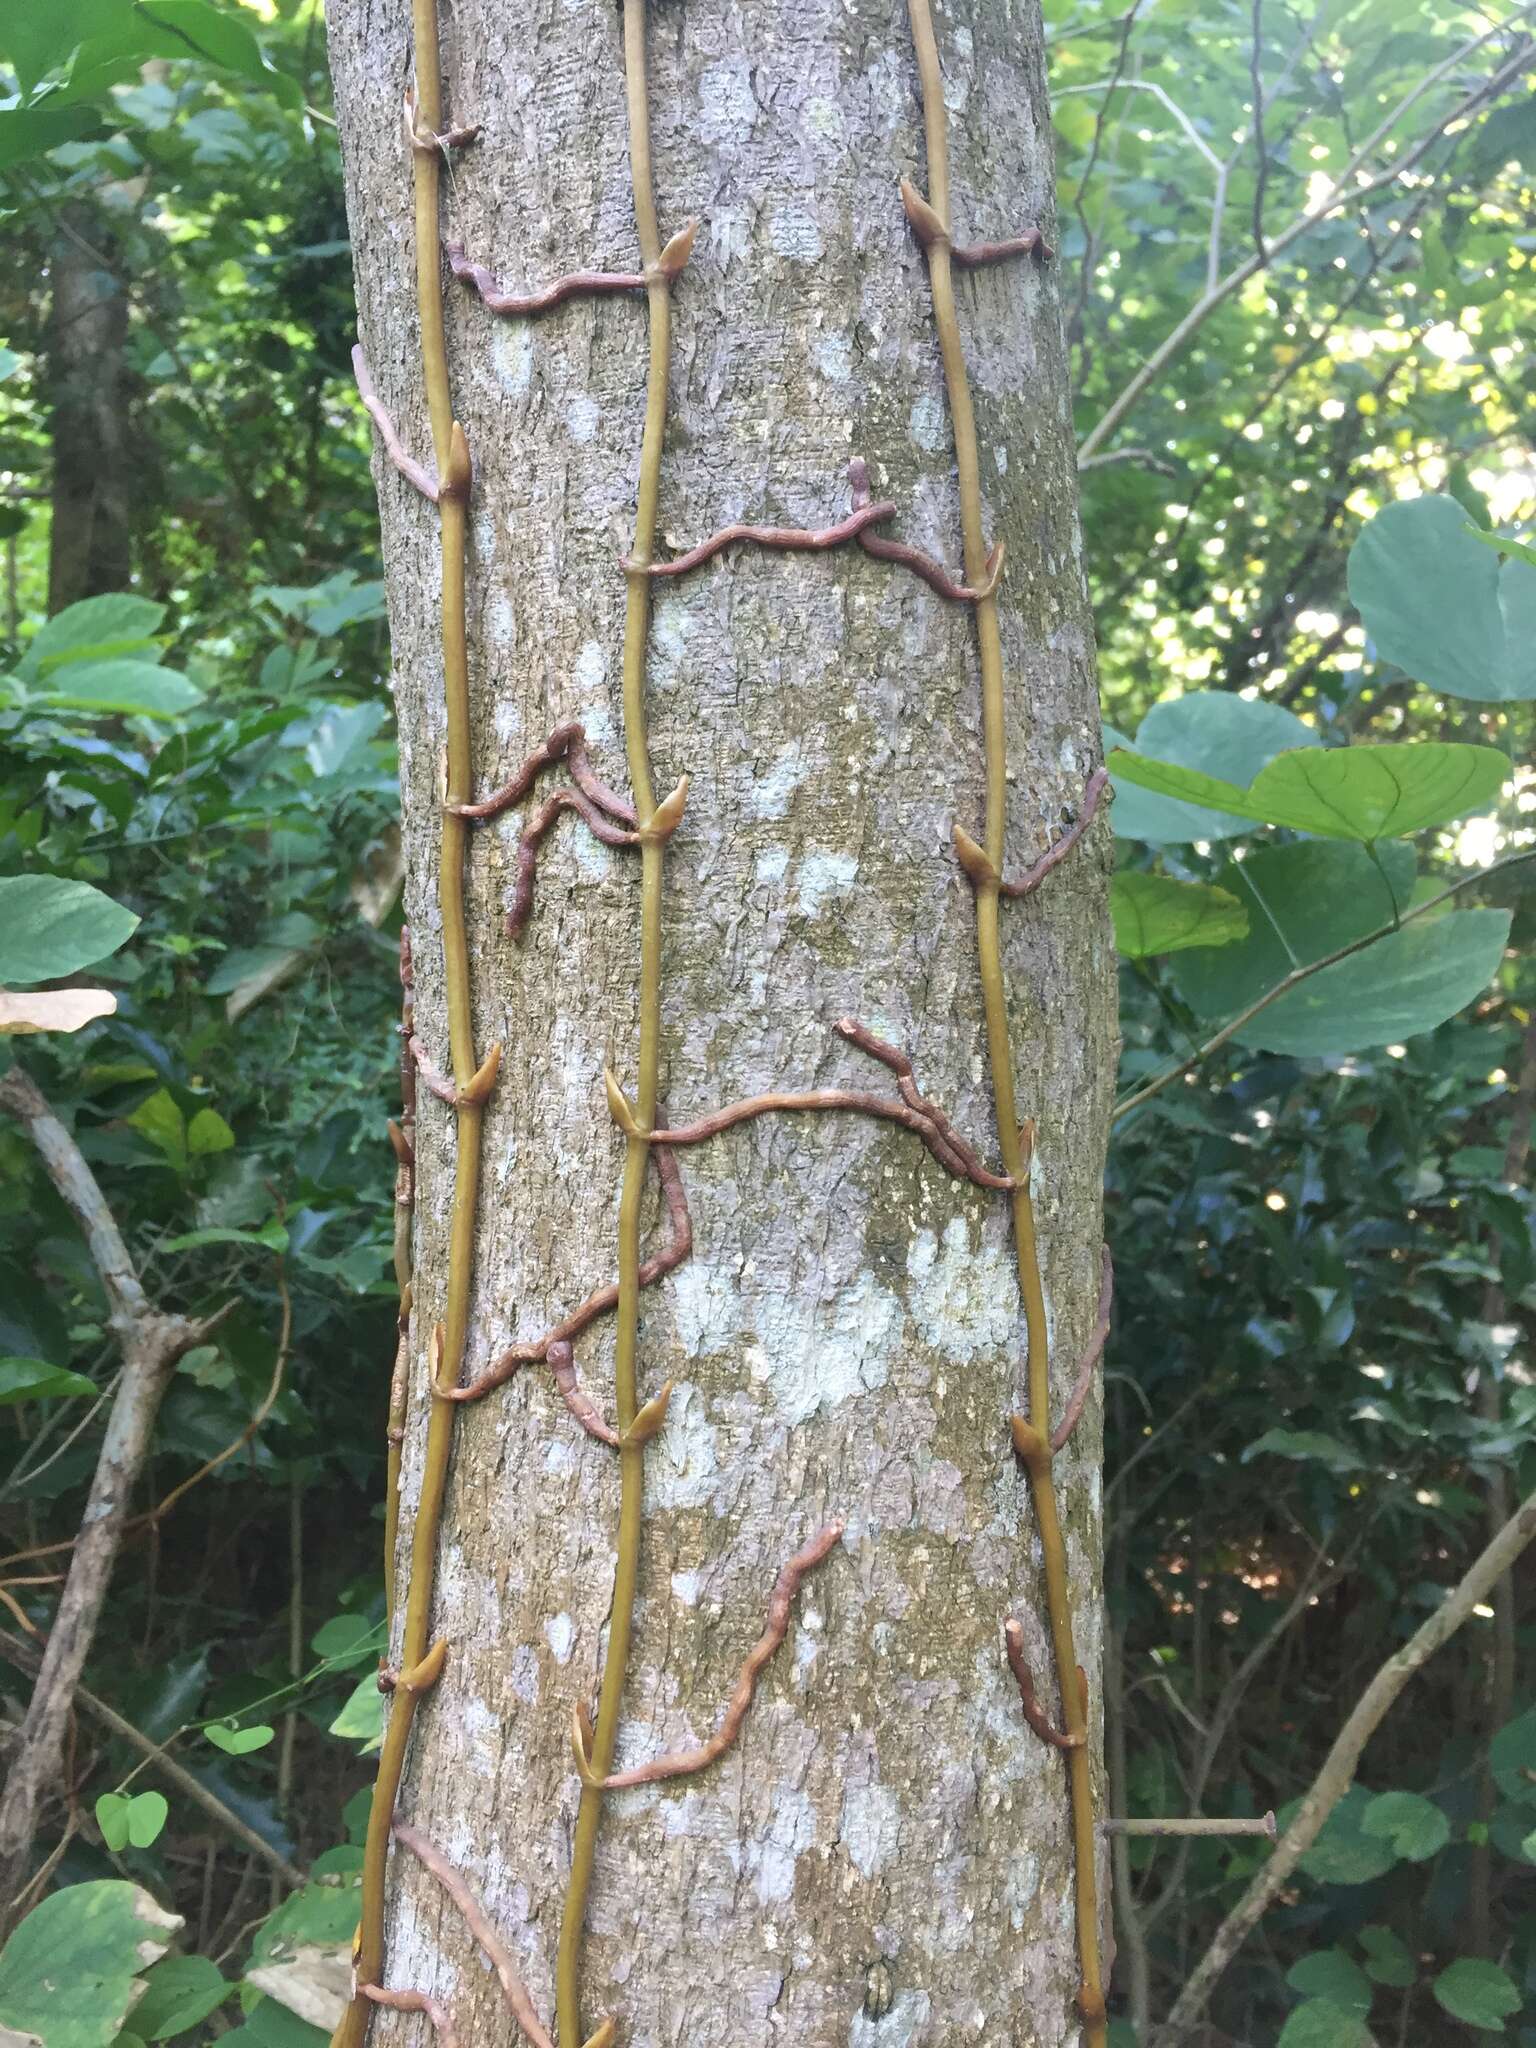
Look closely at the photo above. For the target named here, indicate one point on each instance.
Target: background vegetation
(1319, 1395)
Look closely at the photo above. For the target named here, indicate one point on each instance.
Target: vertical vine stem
(419, 1660)
(637, 617)
(934, 232)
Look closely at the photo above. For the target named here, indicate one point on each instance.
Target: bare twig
(681, 1763)
(151, 1342)
(1338, 1771)
(1264, 1825)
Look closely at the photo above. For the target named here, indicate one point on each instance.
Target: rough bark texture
(846, 1339)
(87, 377)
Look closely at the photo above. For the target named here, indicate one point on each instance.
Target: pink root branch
(913, 1111)
(576, 284)
(534, 832)
(1034, 1713)
(978, 866)
(562, 1363)
(681, 1763)
(972, 255)
(519, 2004)
(566, 743)
(933, 573)
(1062, 1433)
(373, 405)
(475, 1090)
(606, 1298)
(416, 2001)
(794, 539)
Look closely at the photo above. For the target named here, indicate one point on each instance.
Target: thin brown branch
(373, 405)
(933, 573)
(576, 284)
(606, 1298)
(1338, 1771)
(431, 1858)
(1061, 1435)
(682, 1763)
(794, 539)
(1034, 1713)
(1264, 1825)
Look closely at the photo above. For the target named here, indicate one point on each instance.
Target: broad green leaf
(208, 1132)
(1512, 1758)
(147, 1813)
(37, 40)
(1307, 1446)
(1322, 2024)
(1343, 1853)
(177, 1994)
(272, 1237)
(193, 28)
(96, 629)
(1303, 901)
(1156, 914)
(362, 1717)
(1306, 901)
(10, 362)
(348, 1639)
(51, 927)
(1403, 984)
(1378, 792)
(1387, 1961)
(29, 1379)
(70, 1972)
(238, 1741)
(1332, 1975)
(1477, 1992)
(1212, 733)
(159, 1119)
(32, 131)
(1415, 1826)
(1364, 792)
(112, 1819)
(123, 687)
(1438, 605)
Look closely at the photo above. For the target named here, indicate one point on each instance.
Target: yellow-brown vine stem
(637, 618)
(453, 469)
(936, 241)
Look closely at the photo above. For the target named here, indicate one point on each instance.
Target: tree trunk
(885, 1855)
(89, 549)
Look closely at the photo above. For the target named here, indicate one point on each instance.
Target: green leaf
(1332, 1975)
(208, 1132)
(1156, 914)
(348, 1639)
(95, 629)
(10, 362)
(1307, 900)
(147, 1813)
(29, 1379)
(362, 1717)
(1512, 1758)
(1216, 734)
(1477, 1992)
(51, 927)
(1522, 550)
(112, 1819)
(272, 1237)
(1387, 1961)
(1364, 792)
(32, 131)
(159, 1119)
(70, 1971)
(1415, 1826)
(1322, 2024)
(177, 1994)
(37, 40)
(238, 1741)
(122, 687)
(1438, 605)
(1307, 1447)
(1343, 1853)
(1528, 1847)
(1378, 792)
(192, 28)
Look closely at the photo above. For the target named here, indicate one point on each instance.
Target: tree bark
(884, 1856)
(89, 550)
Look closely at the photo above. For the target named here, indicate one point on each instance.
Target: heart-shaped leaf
(238, 1741)
(1415, 1826)
(177, 1994)
(1479, 1993)
(1439, 606)
(1216, 734)
(147, 1813)
(112, 1819)
(50, 926)
(1156, 914)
